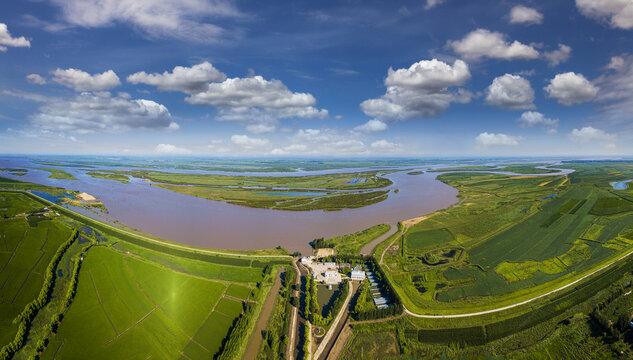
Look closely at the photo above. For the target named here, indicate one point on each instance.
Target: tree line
(27, 315)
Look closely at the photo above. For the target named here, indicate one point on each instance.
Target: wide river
(214, 224)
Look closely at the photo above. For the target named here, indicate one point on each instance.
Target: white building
(332, 277)
(358, 275)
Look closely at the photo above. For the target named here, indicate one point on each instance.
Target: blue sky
(308, 78)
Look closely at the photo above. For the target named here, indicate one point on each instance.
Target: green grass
(353, 243)
(58, 174)
(12, 204)
(238, 291)
(422, 239)
(109, 176)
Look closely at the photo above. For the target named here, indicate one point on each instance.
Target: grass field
(58, 174)
(351, 244)
(108, 176)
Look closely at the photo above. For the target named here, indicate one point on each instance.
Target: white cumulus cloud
(187, 20)
(432, 3)
(571, 89)
(6, 40)
(35, 79)
(615, 98)
(524, 15)
(324, 141)
(619, 13)
(384, 146)
(510, 92)
(561, 55)
(533, 118)
(590, 134)
(82, 81)
(482, 43)
(186, 79)
(250, 143)
(98, 112)
(169, 149)
(486, 140)
(373, 125)
(421, 91)
(432, 75)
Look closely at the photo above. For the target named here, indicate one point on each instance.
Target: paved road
(293, 319)
(366, 250)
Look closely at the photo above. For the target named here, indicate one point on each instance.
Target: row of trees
(237, 334)
(321, 243)
(276, 338)
(312, 305)
(27, 315)
(239, 330)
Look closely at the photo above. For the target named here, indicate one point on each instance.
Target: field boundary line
(100, 303)
(137, 283)
(14, 251)
(522, 302)
(45, 241)
(133, 326)
(27, 277)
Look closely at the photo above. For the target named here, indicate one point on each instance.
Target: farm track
(45, 241)
(101, 303)
(131, 327)
(257, 337)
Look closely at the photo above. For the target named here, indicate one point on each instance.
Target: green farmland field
(509, 234)
(137, 309)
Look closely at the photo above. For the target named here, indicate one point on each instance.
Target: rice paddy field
(511, 237)
(126, 307)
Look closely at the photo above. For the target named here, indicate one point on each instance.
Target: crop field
(509, 234)
(127, 299)
(25, 252)
(422, 239)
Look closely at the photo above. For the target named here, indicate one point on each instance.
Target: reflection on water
(201, 222)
